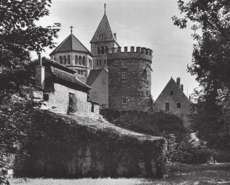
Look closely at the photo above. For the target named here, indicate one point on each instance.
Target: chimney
(178, 82)
(40, 73)
(115, 35)
(182, 87)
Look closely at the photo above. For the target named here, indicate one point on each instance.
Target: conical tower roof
(71, 43)
(103, 32)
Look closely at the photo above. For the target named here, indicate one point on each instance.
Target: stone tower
(129, 79)
(101, 42)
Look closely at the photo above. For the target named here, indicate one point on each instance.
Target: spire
(71, 27)
(103, 32)
(104, 8)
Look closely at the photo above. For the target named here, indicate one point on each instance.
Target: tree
(210, 65)
(19, 35)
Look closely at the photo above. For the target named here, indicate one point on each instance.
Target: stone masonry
(129, 79)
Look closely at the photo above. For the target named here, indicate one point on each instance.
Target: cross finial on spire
(71, 27)
(104, 8)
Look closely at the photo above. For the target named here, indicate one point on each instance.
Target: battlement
(138, 52)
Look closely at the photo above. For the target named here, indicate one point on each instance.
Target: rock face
(129, 79)
(72, 149)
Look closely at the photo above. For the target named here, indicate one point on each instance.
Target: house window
(45, 96)
(103, 81)
(167, 106)
(124, 74)
(92, 107)
(102, 49)
(171, 93)
(124, 101)
(68, 59)
(178, 105)
(76, 59)
(60, 59)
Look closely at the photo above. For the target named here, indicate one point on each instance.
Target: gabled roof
(103, 32)
(71, 43)
(92, 76)
(68, 78)
(178, 93)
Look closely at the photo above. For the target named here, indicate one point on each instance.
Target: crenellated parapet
(138, 53)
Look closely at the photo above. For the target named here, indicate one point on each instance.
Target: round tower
(129, 79)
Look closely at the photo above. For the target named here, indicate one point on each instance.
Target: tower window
(124, 101)
(97, 63)
(64, 60)
(124, 74)
(83, 61)
(76, 59)
(60, 59)
(167, 106)
(80, 60)
(171, 93)
(68, 59)
(178, 105)
(102, 49)
(145, 74)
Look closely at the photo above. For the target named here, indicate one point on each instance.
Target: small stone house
(173, 100)
(62, 91)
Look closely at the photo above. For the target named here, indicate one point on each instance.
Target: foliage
(211, 66)
(19, 35)
(57, 144)
(18, 29)
(156, 123)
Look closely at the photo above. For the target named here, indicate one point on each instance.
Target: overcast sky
(145, 23)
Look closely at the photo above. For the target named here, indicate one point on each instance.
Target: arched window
(90, 63)
(102, 49)
(80, 60)
(98, 50)
(60, 59)
(83, 61)
(68, 59)
(64, 62)
(76, 59)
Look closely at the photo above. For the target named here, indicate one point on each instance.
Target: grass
(213, 174)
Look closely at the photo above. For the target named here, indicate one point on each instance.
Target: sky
(144, 23)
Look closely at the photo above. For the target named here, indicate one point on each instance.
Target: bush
(156, 124)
